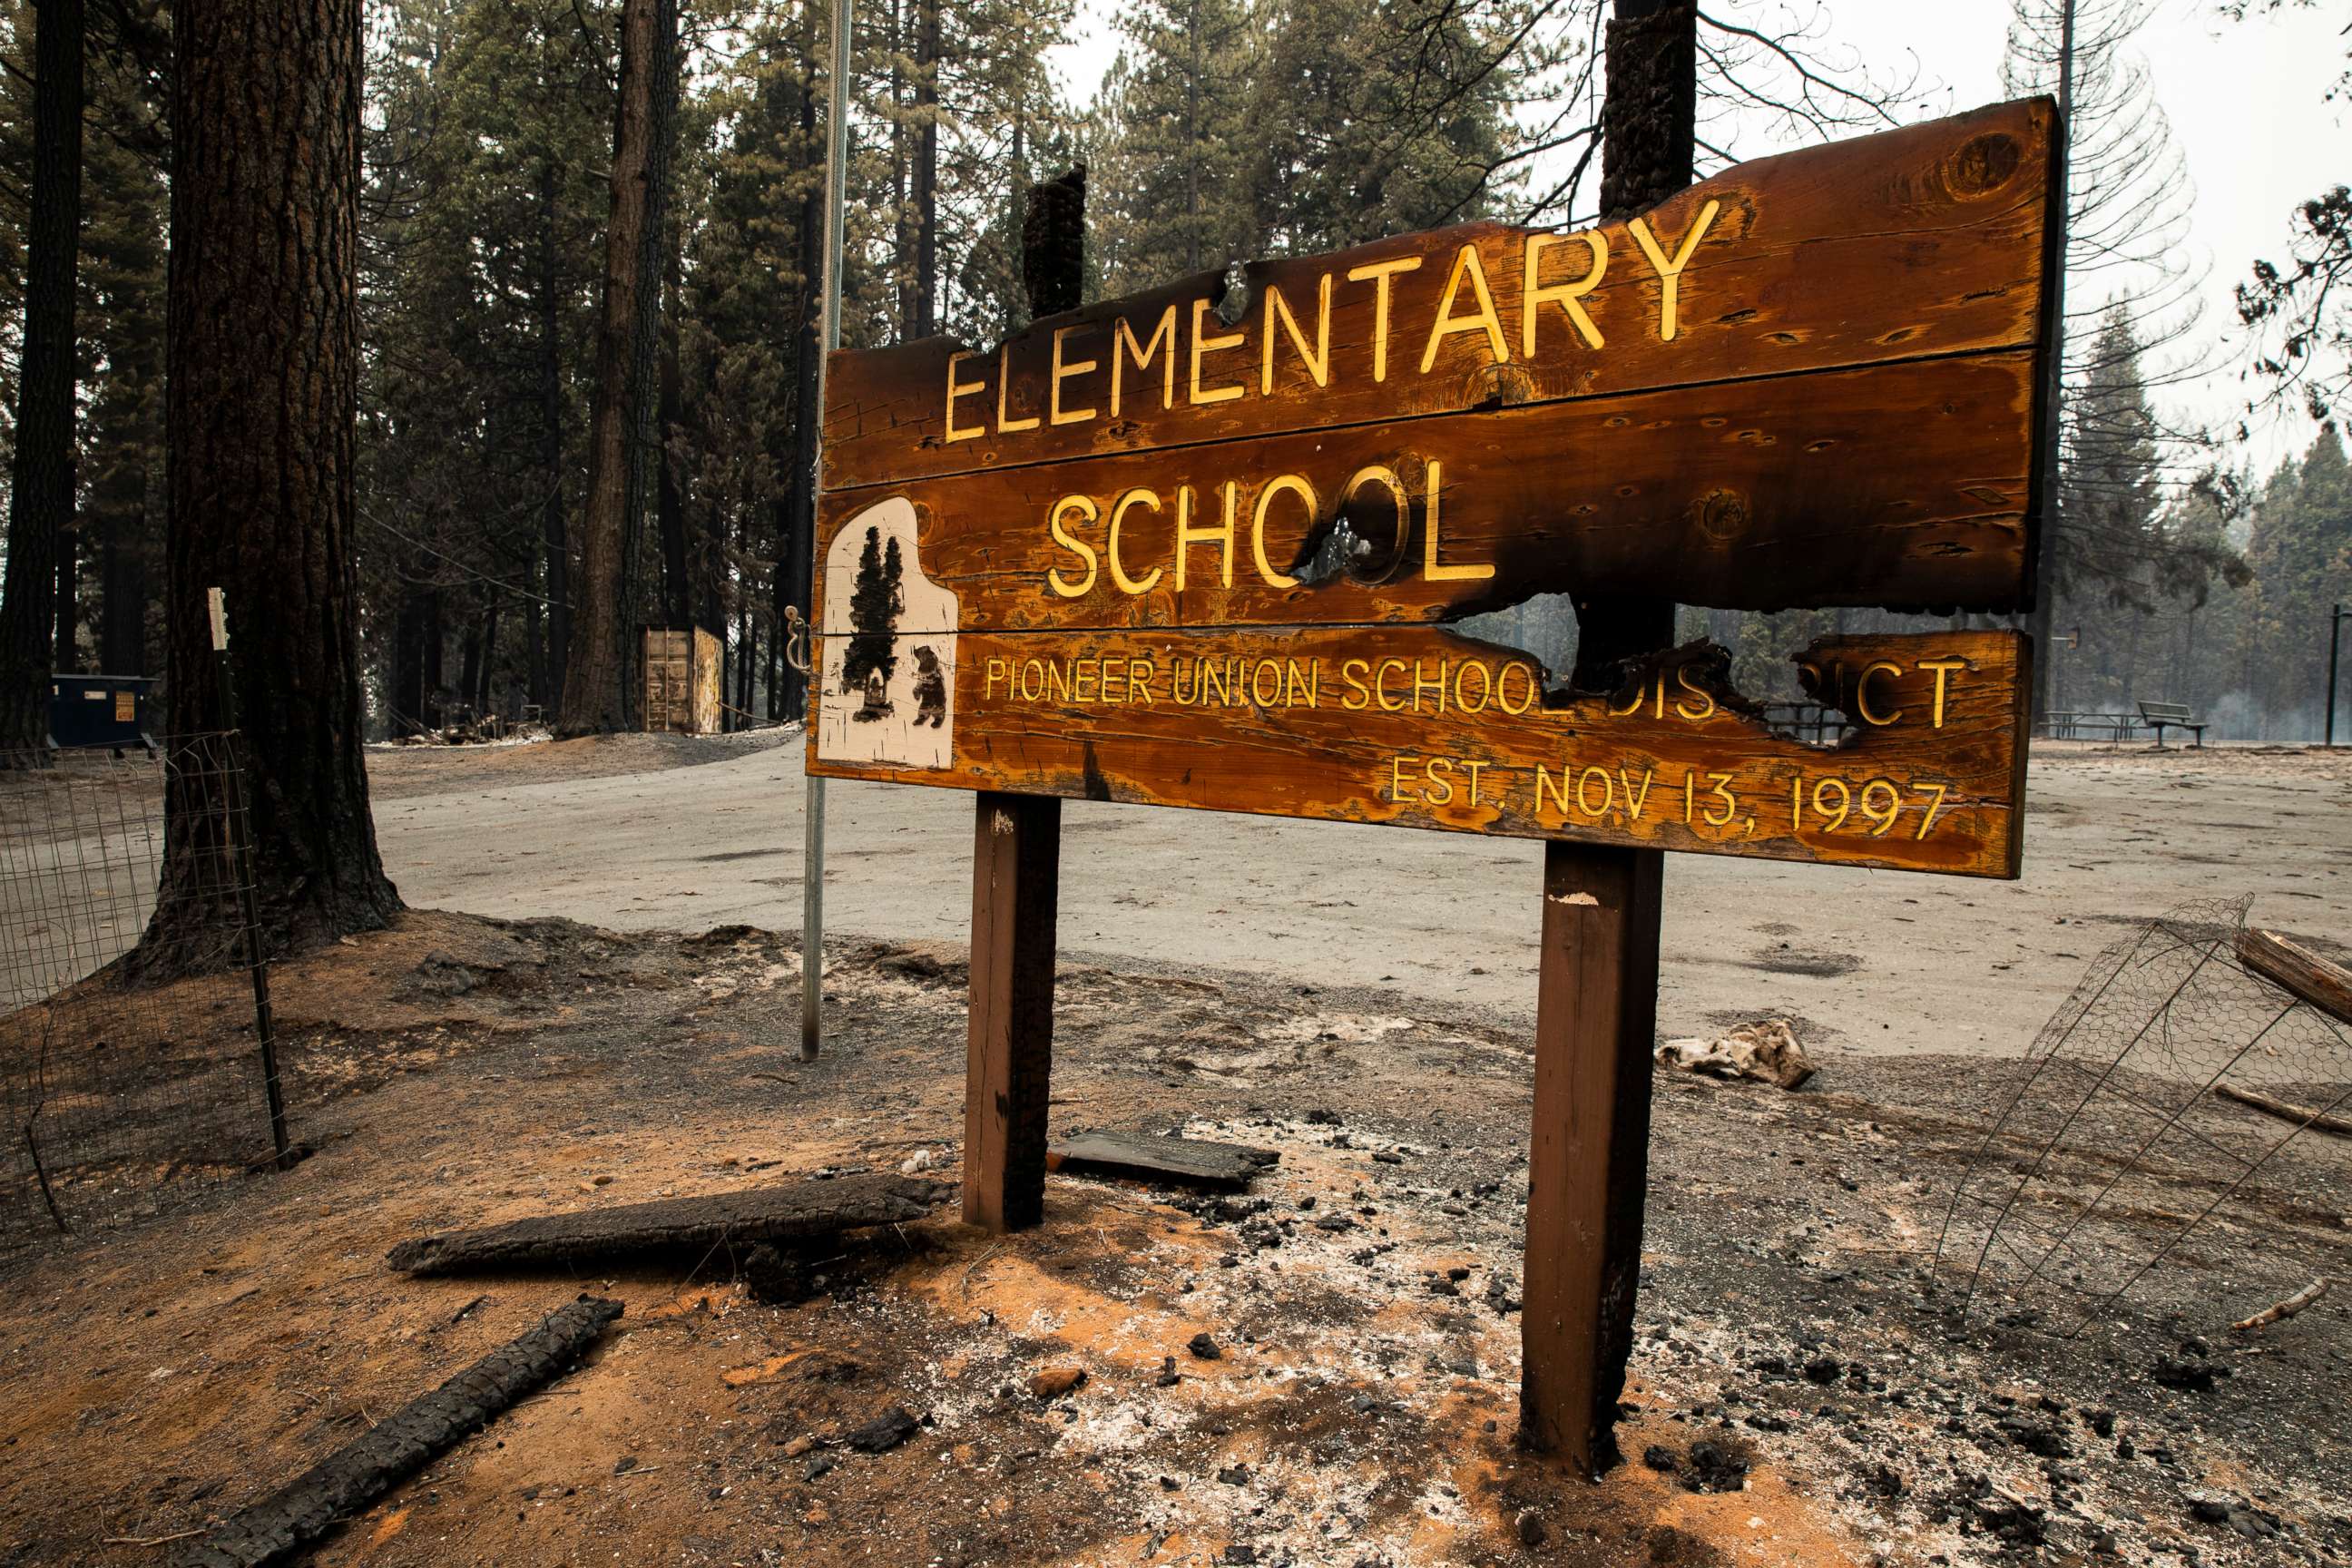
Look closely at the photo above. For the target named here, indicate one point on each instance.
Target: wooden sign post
(1202, 547)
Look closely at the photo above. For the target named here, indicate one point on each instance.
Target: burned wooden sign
(1196, 548)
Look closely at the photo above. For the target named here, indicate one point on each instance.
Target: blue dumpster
(99, 710)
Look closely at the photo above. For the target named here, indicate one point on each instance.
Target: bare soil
(459, 1070)
(1868, 962)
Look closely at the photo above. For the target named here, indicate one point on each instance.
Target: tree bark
(263, 341)
(469, 664)
(647, 457)
(796, 552)
(41, 470)
(925, 319)
(487, 673)
(594, 699)
(902, 249)
(436, 642)
(678, 587)
(407, 697)
(66, 656)
(547, 682)
(122, 594)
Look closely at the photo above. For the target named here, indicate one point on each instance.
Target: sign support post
(1016, 868)
(1016, 880)
(1597, 978)
(1587, 1158)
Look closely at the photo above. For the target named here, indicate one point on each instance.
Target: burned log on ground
(2307, 976)
(793, 1212)
(1188, 1161)
(278, 1529)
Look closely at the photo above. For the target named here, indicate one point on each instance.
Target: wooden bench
(2173, 715)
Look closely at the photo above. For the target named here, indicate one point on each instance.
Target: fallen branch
(278, 1528)
(789, 1213)
(148, 1540)
(2283, 961)
(2317, 1120)
(2286, 1309)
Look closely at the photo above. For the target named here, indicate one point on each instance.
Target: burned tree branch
(277, 1528)
(740, 1218)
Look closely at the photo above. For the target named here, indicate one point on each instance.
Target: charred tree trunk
(406, 697)
(122, 594)
(678, 587)
(436, 642)
(41, 471)
(479, 696)
(744, 650)
(598, 660)
(1054, 244)
(547, 678)
(925, 319)
(649, 460)
(66, 656)
(797, 543)
(1649, 144)
(469, 665)
(902, 245)
(263, 340)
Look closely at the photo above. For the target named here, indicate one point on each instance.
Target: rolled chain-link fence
(120, 1090)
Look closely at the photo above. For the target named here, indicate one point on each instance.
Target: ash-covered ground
(1799, 1396)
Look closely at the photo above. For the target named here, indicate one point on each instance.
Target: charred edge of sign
(1708, 666)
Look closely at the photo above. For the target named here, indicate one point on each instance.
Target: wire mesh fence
(2127, 1161)
(129, 1074)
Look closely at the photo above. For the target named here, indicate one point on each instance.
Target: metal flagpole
(837, 174)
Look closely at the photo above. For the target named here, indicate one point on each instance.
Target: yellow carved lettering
(1204, 345)
(1280, 484)
(1118, 576)
(1382, 274)
(1317, 360)
(1670, 272)
(1429, 563)
(1466, 265)
(1943, 669)
(1055, 411)
(1124, 348)
(1861, 695)
(1187, 535)
(1570, 297)
(1085, 507)
(1005, 424)
(962, 389)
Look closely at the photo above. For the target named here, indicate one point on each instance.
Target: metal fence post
(241, 846)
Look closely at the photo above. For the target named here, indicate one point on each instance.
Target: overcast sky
(2246, 101)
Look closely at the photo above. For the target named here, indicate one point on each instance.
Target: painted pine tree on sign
(874, 604)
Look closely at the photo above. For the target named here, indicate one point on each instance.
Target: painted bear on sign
(931, 689)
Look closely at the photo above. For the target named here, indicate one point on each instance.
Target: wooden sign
(1196, 548)
(1202, 548)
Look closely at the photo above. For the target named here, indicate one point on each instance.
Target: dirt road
(1866, 962)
